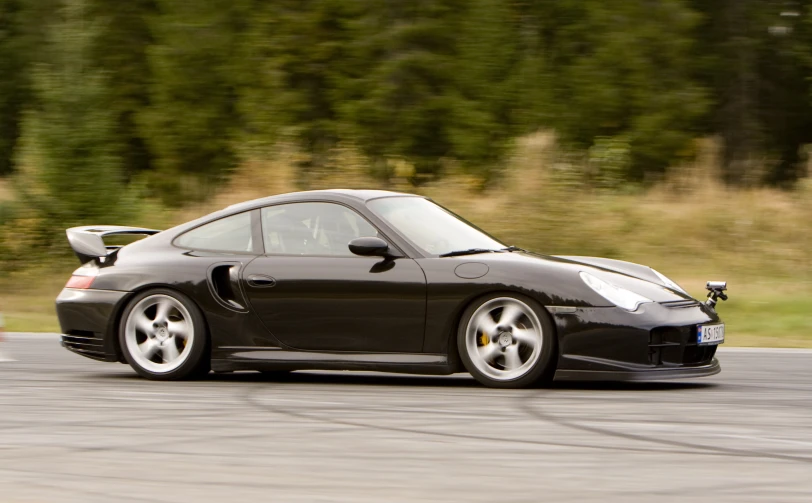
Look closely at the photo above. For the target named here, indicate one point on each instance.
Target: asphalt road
(75, 430)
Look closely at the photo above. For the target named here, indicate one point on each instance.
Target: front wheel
(507, 341)
(163, 336)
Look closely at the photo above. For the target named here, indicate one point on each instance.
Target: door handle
(261, 281)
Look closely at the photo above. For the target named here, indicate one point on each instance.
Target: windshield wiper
(512, 248)
(469, 251)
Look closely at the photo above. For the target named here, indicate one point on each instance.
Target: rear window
(229, 234)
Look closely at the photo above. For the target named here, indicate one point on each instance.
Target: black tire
(195, 364)
(537, 373)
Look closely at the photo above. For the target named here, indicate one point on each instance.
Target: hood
(628, 275)
(557, 278)
(628, 268)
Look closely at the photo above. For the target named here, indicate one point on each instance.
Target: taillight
(80, 282)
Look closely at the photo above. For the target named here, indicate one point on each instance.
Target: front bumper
(87, 319)
(658, 341)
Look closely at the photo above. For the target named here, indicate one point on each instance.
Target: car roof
(327, 195)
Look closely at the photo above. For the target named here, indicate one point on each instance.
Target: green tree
(402, 101)
(120, 50)
(785, 90)
(23, 30)
(294, 63)
(14, 82)
(71, 158)
(620, 69)
(491, 80)
(191, 119)
(756, 61)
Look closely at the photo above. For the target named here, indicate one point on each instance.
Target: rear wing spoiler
(88, 242)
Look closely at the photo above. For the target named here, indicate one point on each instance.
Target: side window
(312, 229)
(229, 234)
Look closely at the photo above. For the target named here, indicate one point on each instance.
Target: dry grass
(687, 226)
(6, 193)
(27, 298)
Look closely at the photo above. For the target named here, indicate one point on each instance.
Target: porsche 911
(374, 280)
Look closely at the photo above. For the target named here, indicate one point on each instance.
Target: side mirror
(369, 247)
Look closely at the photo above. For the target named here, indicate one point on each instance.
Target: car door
(312, 293)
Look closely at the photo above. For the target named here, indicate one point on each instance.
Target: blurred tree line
(98, 93)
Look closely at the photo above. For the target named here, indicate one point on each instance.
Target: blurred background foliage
(670, 132)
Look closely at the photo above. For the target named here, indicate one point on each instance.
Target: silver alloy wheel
(504, 338)
(159, 333)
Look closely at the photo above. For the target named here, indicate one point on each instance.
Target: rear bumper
(87, 319)
(640, 375)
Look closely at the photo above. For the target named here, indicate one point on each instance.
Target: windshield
(429, 227)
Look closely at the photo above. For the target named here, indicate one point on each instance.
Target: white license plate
(710, 334)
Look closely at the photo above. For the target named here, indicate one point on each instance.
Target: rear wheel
(163, 336)
(507, 341)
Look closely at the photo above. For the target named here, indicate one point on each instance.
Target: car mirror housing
(370, 247)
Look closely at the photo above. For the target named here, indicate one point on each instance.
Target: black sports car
(373, 280)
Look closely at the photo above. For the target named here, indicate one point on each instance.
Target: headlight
(620, 297)
(670, 284)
